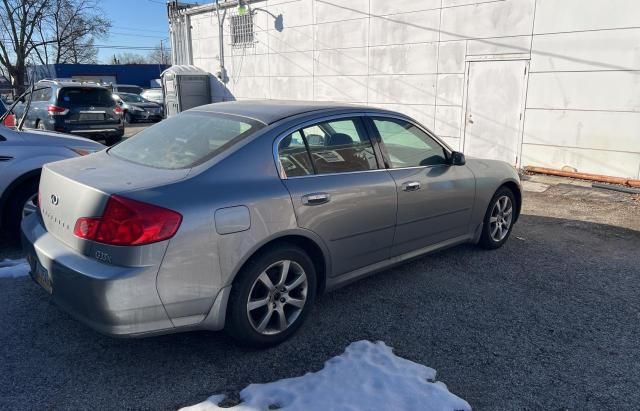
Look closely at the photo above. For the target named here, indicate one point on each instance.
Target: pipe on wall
(585, 176)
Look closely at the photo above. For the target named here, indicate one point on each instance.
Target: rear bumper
(92, 130)
(114, 300)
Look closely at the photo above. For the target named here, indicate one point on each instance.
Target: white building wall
(582, 105)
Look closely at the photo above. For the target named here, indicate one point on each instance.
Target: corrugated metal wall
(580, 106)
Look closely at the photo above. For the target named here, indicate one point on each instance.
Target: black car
(137, 108)
(83, 109)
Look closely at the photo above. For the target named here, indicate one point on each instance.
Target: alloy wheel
(30, 206)
(501, 218)
(277, 297)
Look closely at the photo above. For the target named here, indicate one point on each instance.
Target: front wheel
(271, 296)
(498, 220)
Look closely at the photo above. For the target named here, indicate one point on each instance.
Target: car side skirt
(348, 278)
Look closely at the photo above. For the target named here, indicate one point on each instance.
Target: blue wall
(138, 74)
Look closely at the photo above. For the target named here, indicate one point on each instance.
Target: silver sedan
(239, 215)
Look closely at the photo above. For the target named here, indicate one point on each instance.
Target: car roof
(270, 111)
(68, 83)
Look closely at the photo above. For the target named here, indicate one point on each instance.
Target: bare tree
(68, 31)
(129, 58)
(19, 19)
(160, 55)
(47, 31)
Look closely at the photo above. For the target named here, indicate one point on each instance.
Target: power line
(141, 30)
(134, 35)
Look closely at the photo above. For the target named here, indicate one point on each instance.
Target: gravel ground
(550, 321)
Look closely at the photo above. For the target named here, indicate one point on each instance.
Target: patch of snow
(14, 268)
(367, 376)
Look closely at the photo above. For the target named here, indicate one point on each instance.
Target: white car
(22, 155)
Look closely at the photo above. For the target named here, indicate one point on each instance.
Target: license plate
(91, 117)
(40, 274)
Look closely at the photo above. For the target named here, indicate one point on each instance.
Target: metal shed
(185, 87)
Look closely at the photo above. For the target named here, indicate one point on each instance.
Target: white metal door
(494, 109)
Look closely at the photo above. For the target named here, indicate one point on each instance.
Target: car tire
(15, 206)
(247, 312)
(41, 126)
(127, 118)
(498, 220)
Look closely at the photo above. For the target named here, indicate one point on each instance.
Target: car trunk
(80, 187)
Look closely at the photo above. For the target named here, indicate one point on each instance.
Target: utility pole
(162, 52)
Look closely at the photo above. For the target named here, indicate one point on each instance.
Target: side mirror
(457, 159)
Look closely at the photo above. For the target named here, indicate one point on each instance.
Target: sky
(135, 23)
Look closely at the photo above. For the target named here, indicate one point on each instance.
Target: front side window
(185, 140)
(337, 146)
(408, 146)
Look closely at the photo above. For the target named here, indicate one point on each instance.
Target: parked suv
(83, 109)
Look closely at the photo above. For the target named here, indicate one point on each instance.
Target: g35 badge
(104, 257)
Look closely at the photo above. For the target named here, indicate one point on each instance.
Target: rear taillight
(118, 110)
(129, 222)
(57, 111)
(10, 120)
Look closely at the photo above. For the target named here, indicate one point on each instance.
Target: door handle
(315, 199)
(411, 186)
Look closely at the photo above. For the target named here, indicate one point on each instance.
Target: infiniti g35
(239, 215)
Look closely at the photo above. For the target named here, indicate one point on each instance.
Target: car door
(435, 198)
(340, 191)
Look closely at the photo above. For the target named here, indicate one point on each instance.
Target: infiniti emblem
(55, 199)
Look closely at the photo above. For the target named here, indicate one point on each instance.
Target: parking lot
(550, 321)
(133, 129)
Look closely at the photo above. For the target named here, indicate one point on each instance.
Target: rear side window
(185, 140)
(337, 146)
(85, 96)
(294, 157)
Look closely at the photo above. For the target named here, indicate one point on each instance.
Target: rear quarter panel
(199, 261)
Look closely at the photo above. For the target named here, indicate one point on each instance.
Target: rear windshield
(85, 96)
(185, 140)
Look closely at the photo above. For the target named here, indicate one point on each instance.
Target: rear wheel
(41, 126)
(498, 220)
(272, 296)
(127, 118)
